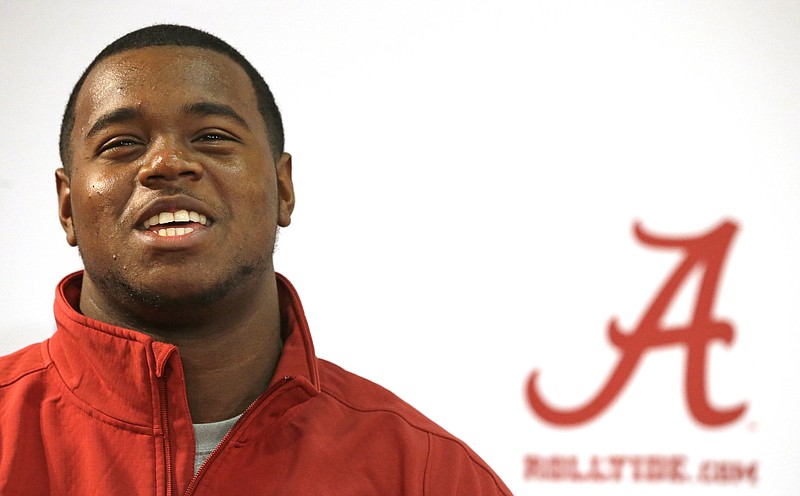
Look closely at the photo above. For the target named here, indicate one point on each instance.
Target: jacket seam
(71, 399)
(375, 410)
(89, 414)
(429, 433)
(42, 368)
(427, 465)
(472, 458)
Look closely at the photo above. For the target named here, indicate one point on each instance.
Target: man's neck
(226, 372)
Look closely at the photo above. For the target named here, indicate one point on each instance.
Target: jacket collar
(112, 373)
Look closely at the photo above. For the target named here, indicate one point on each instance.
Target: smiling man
(182, 363)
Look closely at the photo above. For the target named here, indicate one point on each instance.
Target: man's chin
(183, 295)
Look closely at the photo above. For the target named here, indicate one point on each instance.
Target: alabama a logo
(707, 253)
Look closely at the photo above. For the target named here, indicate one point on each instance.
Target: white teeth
(166, 217)
(174, 231)
(151, 221)
(179, 216)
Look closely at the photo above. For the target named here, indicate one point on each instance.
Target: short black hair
(180, 36)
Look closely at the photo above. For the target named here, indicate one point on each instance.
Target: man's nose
(168, 165)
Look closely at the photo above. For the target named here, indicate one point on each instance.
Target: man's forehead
(155, 71)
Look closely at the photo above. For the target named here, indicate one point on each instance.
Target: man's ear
(285, 190)
(65, 205)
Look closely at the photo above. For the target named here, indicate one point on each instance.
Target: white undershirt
(207, 437)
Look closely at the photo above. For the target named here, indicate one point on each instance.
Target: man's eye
(118, 144)
(214, 137)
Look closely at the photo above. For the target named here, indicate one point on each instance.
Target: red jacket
(102, 410)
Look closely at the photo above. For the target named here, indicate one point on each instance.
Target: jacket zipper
(196, 479)
(162, 383)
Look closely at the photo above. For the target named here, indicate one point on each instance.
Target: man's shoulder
(21, 364)
(362, 395)
(450, 459)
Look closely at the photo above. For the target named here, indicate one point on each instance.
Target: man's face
(173, 194)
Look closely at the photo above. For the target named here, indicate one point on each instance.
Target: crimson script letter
(706, 252)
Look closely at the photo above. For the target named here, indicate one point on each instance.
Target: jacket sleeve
(454, 469)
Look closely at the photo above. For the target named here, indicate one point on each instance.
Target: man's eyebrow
(115, 116)
(210, 108)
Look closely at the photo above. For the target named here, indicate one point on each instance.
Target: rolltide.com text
(637, 468)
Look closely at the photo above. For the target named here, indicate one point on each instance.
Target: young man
(182, 363)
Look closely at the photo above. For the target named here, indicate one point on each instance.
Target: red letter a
(708, 252)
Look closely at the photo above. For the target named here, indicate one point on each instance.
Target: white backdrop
(468, 175)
